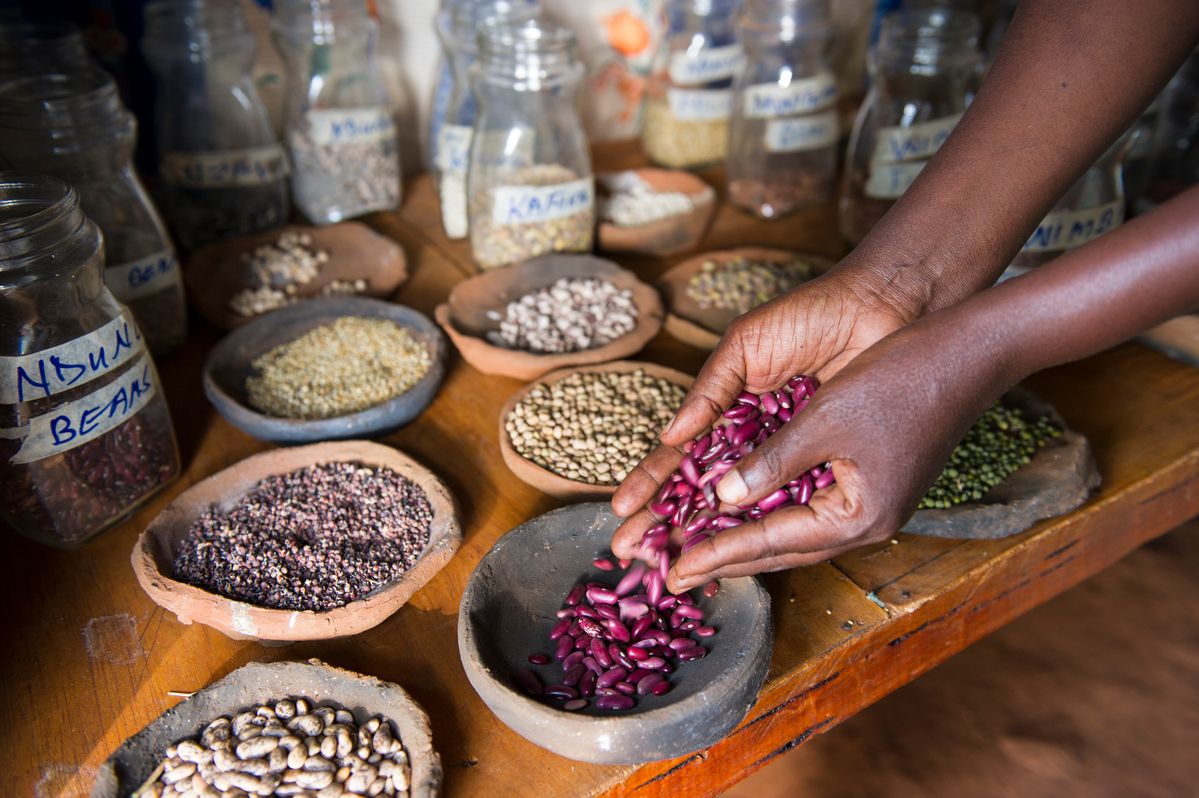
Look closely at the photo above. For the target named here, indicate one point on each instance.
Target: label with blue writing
(700, 105)
(1070, 229)
(532, 204)
(349, 125)
(800, 96)
(889, 180)
(706, 65)
(913, 143)
(25, 378)
(802, 133)
(86, 419)
(142, 277)
(224, 169)
(453, 147)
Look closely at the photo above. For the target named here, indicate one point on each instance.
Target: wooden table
(90, 659)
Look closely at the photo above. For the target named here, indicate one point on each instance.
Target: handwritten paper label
(1070, 229)
(913, 143)
(142, 277)
(889, 181)
(802, 133)
(700, 105)
(224, 169)
(60, 368)
(86, 419)
(705, 66)
(802, 96)
(349, 125)
(531, 204)
(453, 148)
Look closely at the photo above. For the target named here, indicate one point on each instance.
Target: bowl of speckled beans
(333, 368)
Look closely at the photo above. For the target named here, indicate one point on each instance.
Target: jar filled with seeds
(340, 130)
(73, 126)
(529, 180)
(451, 134)
(221, 169)
(925, 70)
(783, 131)
(85, 436)
(690, 93)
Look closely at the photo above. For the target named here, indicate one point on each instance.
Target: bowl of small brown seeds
(577, 433)
(333, 368)
(281, 728)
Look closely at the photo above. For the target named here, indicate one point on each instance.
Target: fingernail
(669, 424)
(731, 488)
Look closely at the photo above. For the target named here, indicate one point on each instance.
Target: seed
(570, 316)
(631, 201)
(614, 702)
(742, 284)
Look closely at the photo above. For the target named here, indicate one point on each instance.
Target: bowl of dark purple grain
(562, 643)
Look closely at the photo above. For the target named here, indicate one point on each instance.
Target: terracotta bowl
(159, 543)
(229, 363)
(673, 234)
(547, 481)
(703, 327)
(215, 273)
(510, 605)
(258, 683)
(464, 316)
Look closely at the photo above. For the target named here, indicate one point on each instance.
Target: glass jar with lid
(783, 131)
(340, 127)
(74, 126)
(458, 28)
(85, 436)
(690, 95)
(222, 171)
(529, 180)
(924, 71)
(33, 49)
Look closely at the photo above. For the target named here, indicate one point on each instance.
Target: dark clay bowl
(509, 608)
(228, 365)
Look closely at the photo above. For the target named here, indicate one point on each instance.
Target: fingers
(645, 480)
(719, 382)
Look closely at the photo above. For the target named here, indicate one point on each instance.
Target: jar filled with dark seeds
(74, 126)
(341, 135)
(85, 436)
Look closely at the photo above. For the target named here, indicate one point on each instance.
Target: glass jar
(28, 49)
(74, 127)
(340, 127)
(222, 170)
(783, 132)
(529, 179)
(690, 93)
(451, 132)
(85, 436)
(924, 71)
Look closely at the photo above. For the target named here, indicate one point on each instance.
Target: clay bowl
(507, 612)
(667, 236)
(256, 683)
(215, 273)
(464, 316)
(703, 327)
(160, 542)
(229, 363)
(547, 481)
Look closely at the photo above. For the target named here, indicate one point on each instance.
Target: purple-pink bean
(575, 704)
(647, 684)
(529, 682)
(561, 691)
(614, 702)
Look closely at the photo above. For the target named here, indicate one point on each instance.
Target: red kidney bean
(637, 654)
(625, 563)
(647, 644)
(738, 411)
(628, 583)
(685, 598)
(661, 688)
(566, 644)
(690, 470)
(583, 611)
(783, 398)
(653, 663)
(705, 631)
(663, 509)
(695, 540)
(679, 643)
(771, 502)
(591, 664)
(770, 402)
(614, 702)
(664, 493)
(538, 659)
(688, 626)
(575, 595)
(655, 587)
(611, 677)
(575, 704)
(618, 656)
(696, 652)
(642, 625)
(701, 446)
(569, 612)
(747, 398)
(696, 524)
(785, 414)
(711, 589)
(603, 565)
(690, 611)
(667, 602)
(713, 453)
(801, 404)
(625, 688)
(600, 652)
(807, 487)
(647, 684)
(602, 691)
(618, 630)
(637, 675)
(575, 628)
(742, 435)
(753, 513)
(587, 684)
(571, 679)
(572, 659)
(825, 479)
(529, 682)
(560, 628)
(582, 641)
(681, 488)
(607, 611)
(561, 691)
(816, 471)
(591, 627)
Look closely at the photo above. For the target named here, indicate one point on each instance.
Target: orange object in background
(627, 32)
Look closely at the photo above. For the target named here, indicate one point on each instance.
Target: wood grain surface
(89, 659)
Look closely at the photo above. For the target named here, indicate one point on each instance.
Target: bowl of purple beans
(561, 642)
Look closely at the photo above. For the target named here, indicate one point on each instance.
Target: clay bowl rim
(704, 198)
(692, 332)
(547, 481)
(154, 547)
(256, 338)
(554, 727)
(491, 359)
(406, 714)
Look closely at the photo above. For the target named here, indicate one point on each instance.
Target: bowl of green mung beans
(334, 368)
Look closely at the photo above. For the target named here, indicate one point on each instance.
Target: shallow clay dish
(216, 273)
(703, 327)
(465, 314)
(257, 683)
(159, 543)
(229, 364)
(509, 607)
(1059, 478)
(667, 236)
(548, 481)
